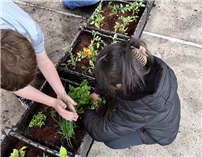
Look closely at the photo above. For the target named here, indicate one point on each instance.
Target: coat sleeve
(110, 127)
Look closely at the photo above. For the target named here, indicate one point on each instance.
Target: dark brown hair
(116, 64)
(18, 61)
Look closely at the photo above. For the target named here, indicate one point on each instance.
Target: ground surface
(172, 33)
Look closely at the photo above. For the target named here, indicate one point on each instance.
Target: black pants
(132, 139)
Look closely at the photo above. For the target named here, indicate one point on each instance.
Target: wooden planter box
(11, 140)
(48, 135)
(135, 29)
(82, 39)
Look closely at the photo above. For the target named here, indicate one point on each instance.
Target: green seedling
(66, 127)
(72, 59)
(37, 120)
(81, 96)
(97, 17)
(123, 27)
(134, 7)
(44, 155)
(117, 8)
(114, 38)
(91, 52)
(63, 152)
(18, 153)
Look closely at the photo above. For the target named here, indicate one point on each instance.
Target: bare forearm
(49, 71)
(32, 93)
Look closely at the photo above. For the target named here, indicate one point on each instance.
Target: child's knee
(113, 145)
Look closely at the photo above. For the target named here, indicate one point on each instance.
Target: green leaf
(91, 62)
(15, 153)
(63, 64)
(97, 25)
(92, 22)
(63, 152)
(90, 71)
(83, 67)
(98, 45)
(22, 152)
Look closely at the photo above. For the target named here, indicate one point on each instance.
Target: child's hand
(94, 96)
(60, 106)
(69, 100)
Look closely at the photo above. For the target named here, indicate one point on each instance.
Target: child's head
(18, 61)
(117, 68)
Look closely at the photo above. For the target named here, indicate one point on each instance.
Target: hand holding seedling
(60, 107)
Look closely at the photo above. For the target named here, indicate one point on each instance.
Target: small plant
(66, 128)
(134, 7)
(44, 155)
(117, 8)
(63, 152)
(114, 38)
(97, 17)
(37, 120)
(90, 52)
(81, 96)
(18, 153)
(72, 59)
(123, 27)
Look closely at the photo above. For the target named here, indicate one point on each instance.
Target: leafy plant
(63, 152)
(66, 128)
(97, 17)
(44, 155)
(117, 8)
(90, 52)
(114, 38)
(81, 96)
(37, 120)
(134, 7)
(72, 59)
(123, 27)
(18, 153)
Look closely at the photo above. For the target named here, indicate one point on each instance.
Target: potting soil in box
(47, 134)
(109, 21)
(10, 143)
(83, 40)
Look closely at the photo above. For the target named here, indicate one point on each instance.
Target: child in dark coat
(144, 88)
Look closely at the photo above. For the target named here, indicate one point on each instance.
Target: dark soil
(84, 40)
(30, 151)
(109, 21)
(48, 134)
